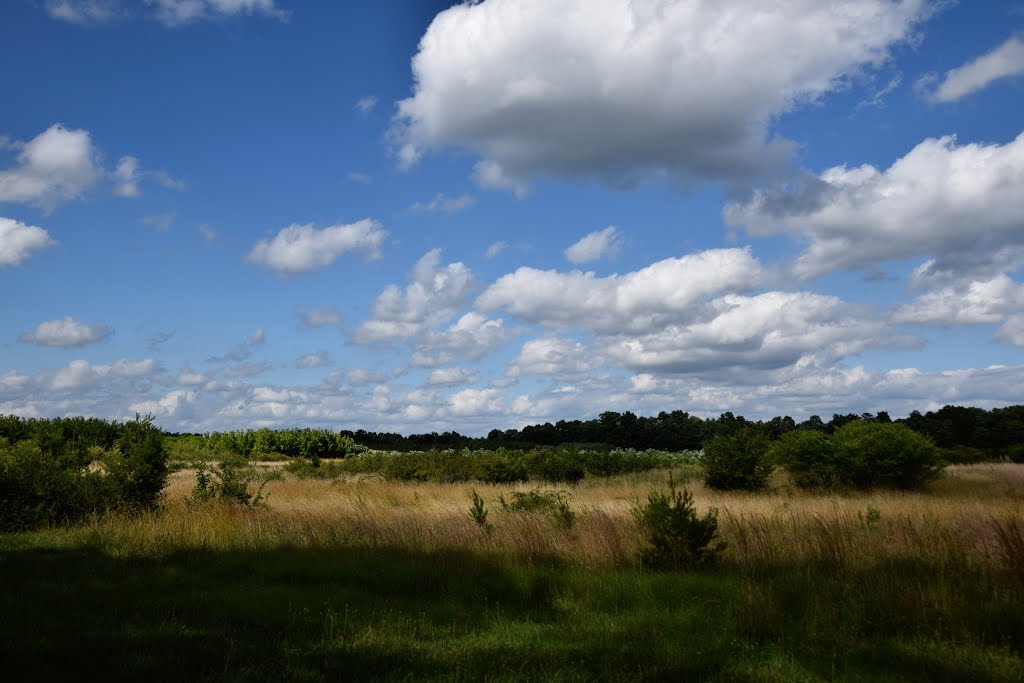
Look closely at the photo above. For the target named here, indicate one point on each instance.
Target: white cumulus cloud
(618, 89)
(595, 246)
(299, 249)
(18, 241)
(81, 374)
(967, 303)
(66, 333)
(57, 164)
(943, 200)
(433, 295)
(642, 300)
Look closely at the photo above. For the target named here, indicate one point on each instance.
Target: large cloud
(767, 331)
(18, 241)
(639, 301)
(944, 200)
(621, 88)
(301, 248)
(55, 165)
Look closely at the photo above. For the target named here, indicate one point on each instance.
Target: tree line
(965, 434)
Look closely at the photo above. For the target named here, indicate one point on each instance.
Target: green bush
(810, 458)
(678, 538)
(229, 482)
(63, 473)
(893, 455)
(862, 454)
(737, 462)
(554, 504)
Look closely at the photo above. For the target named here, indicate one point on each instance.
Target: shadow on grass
(360, 614)
(312, 614)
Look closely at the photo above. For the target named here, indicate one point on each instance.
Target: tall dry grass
(970, 520)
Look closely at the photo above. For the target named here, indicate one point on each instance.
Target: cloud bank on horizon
(509, 211)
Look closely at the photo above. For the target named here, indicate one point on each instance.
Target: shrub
(810, 458)
(737, 461)
(500, 470)
(52, 478)
(877, 454)
(678, 538)
(314, 468)
(554, 504)
(478, 512)
(229, 482)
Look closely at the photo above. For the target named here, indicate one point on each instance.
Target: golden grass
(973, 515)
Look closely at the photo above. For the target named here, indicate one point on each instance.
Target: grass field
(366, 579)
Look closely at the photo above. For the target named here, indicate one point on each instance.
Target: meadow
(360, 576)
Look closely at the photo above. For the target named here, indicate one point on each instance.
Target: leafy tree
(876, 454)
(737, 461)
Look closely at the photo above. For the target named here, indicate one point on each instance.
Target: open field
(372, 579)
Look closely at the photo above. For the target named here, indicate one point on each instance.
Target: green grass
(391, 614)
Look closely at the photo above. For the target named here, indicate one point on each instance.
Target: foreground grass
(373, 580)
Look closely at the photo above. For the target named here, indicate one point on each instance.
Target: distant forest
(968, 434)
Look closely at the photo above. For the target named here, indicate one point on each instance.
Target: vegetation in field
(370, 579)
(861, 455)
(963, 434)
(67, 469)
(505, 466)
(851, 561)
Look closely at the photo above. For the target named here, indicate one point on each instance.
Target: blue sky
(415, 216)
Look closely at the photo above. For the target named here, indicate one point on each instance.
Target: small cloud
(58, 164)
(300, 249)
(258, 337)
(127, 177)
(160, 221)
(443, 203)
(208, 233)
(66, 333)
(367, 104)
(323, 317)
(129, 174)
(159, 339)
(361, 178)
(174, 13)
(487, 174)
(877, 99)
(313, 360)
(495, 249)
(1005, 61)
(18, 241)
(84, 12)
(450, 377)
(596, 245)
(246, 369)
(165, 180)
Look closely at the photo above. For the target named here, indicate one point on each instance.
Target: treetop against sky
(413, 216)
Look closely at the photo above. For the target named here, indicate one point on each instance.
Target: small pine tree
(679, 539)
